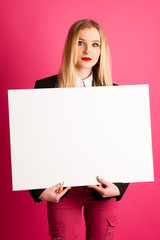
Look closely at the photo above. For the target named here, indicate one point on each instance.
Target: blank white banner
(76, 134)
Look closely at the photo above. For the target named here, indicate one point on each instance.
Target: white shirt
(86, 82)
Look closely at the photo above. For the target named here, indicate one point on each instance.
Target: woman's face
(88, 49)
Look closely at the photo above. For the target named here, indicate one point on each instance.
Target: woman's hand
(53, 194)
(106, 189)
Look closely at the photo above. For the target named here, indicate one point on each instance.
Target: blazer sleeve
(35, 193)
(122, 188)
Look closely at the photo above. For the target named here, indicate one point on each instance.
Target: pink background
(32, 39)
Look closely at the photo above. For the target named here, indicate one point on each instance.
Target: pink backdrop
(32, 39)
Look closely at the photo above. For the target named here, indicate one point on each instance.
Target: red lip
(86, 59)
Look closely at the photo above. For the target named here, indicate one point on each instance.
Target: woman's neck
(84, 73)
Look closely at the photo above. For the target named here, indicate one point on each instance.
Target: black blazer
(52, 82)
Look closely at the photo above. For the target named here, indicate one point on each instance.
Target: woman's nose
(87, 49)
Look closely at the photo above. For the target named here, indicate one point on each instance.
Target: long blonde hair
(101, 71)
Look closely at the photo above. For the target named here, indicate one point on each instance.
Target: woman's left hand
(106, 189)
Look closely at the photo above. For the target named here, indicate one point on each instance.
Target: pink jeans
(65, 216)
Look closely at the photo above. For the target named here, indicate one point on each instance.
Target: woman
(85, 63)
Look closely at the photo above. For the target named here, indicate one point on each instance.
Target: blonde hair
(101, 71)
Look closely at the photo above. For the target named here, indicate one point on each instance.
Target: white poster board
(76, 134)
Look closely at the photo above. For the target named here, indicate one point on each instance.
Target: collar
(87, 81)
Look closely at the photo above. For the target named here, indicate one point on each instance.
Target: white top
(86, 82)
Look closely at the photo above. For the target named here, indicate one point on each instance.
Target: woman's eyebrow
(81, 39)
(92, 40)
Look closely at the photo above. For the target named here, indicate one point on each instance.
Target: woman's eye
(80, 43)
(95, 45)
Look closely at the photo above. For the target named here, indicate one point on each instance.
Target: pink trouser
(65, 216)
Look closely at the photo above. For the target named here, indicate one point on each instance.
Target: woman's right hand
(53, 194)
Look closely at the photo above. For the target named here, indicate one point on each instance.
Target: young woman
(85, 63)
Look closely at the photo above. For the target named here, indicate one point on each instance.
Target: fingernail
(62, 183)
(99, 177)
